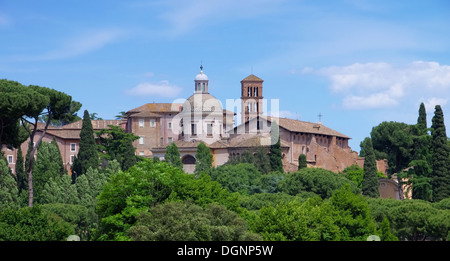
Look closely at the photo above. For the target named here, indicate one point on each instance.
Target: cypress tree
(172, 156)
(370, 181)
(302, 161)
(87, 154)
(440, 163)
(204, 158)
(129, 157)
(275, 155)
(419, 175)
(21, 175)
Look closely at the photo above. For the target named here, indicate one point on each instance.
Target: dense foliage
(249, 198)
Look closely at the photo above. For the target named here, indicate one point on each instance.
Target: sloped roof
(252, 78)
(72, 130)
(308, 127)
(149, 108)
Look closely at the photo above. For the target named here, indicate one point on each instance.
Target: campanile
(251, 97)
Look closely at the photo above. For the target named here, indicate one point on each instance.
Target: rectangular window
(141, 153)
(72, 158)
(162, 141)
(141, 123)
(209, 128)
(169, 140)
(73, 147)
(169, 125)
(10, 159)
(152, 122)
(193, 129)
(141, 140)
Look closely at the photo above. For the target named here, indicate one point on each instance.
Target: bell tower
(251, 97)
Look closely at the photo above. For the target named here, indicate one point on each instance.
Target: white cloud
(162, 88)
(379, 85)
(432, 102)
(77, 45)
(184, 16)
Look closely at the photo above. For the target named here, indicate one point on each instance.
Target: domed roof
(201, 77)
(202, 102)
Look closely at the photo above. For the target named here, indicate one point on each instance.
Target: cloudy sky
(357, 63)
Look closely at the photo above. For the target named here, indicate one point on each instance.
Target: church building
(201, 118)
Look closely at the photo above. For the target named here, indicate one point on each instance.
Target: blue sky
(358, 63)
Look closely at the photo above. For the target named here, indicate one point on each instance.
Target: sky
(356, 63)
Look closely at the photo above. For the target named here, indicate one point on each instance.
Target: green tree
(392, 141)
(302, 161)
(184, 221)
(275, 154)
(440, 164)
(172, 156)
(32, 224)
(204, 158)
(116, 144)
(319, 181)
(87, 154)
(20, 172)
(16, 102)
(8, 187)
(242, 177)
(370, 182)
(53, 105)
(147, 184)
(353, 215)
(46, 168)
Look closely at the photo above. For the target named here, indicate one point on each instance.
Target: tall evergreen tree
(440, 163)
(129, 157)
(275, 154)
(302, 161)
(87, 154)
(420, 173)
(370, 181)
(204, 158)
(21, 176)
(172, 156)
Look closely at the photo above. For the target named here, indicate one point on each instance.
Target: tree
(57, 105)
(392, 141)
(46, 167)
(370, 181)
(321, 182)
(440, 164)
(32, 224)
(87, 154)
(184, 221)
(20, 172)
(275, 154)
(242, 177)
(172, 156)
(17, 101)
(204, 158)
(302, 161)
(8, 188)
(116, 144)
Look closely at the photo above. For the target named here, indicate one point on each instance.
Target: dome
(202, 102)
(201, 77)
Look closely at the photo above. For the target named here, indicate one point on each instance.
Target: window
(152, 122)
(72, 158)
(169, 140)
(141, 123)
(209, 128)
(141, 139)
(169, 125)
(141, 153)
(73, 147)
(10, 159)
(193, 129)
(162, 141)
